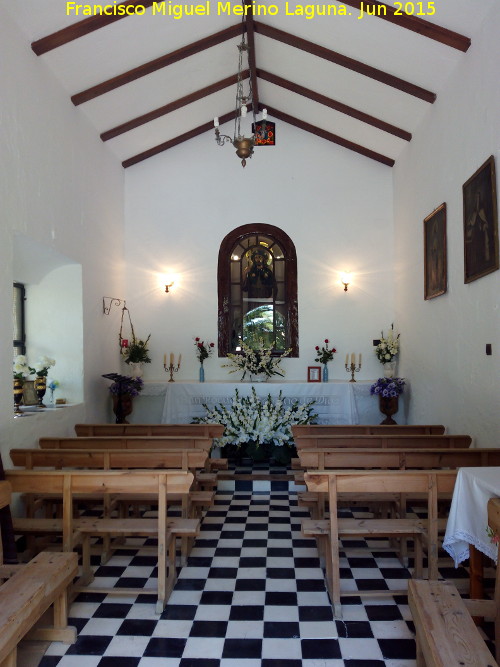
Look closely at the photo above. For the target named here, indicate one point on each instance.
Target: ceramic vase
(136, 369)
(40, 389)
(390, 369)
(388, 407)
(18, 396)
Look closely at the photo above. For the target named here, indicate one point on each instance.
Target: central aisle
(251, 595)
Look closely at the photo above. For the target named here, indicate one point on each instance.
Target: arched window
(257, 281)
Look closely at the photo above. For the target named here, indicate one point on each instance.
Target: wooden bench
(331, 531)
(446, 633)
(384, 441)
(101, 483)
(192, 430)
(367, 429)
(28, 591)
(127, 442)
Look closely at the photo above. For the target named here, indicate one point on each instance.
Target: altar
(336, 402)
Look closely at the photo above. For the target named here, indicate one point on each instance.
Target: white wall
(335, 205)
(61, 189)
(443, 340)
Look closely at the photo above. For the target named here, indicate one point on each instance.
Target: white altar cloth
(335, 402)
(468, 519)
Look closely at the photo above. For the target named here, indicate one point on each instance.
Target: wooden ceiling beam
(344, 61)
(334, 138)
(291, 120)
(249, 24)
(157, 64)
(172, 106)
(81, 28)
(155, 150)
(414, 23)
(334, 104)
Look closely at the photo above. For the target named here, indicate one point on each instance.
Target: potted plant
(259, 363)
(388, 391)
(135, 353)
(203, 351)
(324, 354)
(122, 393)
(387, 350)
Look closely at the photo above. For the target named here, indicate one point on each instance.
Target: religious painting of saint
(435, 265)
(480, 223)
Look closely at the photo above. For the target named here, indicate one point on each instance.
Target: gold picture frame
(29, 393)
(435, 260)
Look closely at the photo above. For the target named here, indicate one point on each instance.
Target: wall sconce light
(345, 279)
(167, 287)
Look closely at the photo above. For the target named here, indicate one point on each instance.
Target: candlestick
(346, 359)
(352, 368)
(216, 122)
(165, 359)
(171, 358)
(360, 359)
(179, 360)
(171, 369)
(353, 358)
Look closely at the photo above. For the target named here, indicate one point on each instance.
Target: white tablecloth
(335, 402)
(468, 520)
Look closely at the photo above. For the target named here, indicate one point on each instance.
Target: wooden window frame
(224, 283)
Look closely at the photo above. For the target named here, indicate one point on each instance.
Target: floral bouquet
(129, 386)
(135, 352)
(203, 351)
(41, 368)
(259, 421)
(256, 361)
(324, 354)
(20, 367)
(388, 387)
(388, 347)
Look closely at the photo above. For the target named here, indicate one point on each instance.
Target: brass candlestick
(171, 368)
(352, 368)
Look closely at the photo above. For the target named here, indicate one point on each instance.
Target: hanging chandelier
(244, 145)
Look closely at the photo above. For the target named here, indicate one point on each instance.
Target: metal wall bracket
(112, 301)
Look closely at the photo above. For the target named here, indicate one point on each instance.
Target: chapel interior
(117, 200)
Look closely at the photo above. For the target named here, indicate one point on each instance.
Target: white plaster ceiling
(133, 41)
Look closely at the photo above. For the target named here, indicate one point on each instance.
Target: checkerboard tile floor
(252, 594)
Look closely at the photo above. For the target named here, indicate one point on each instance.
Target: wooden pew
(384, 441)
(127, 442)
(367, 429)
(445, 631)
(74, 531)
(332, 530)
(193, 430)
(28, 591)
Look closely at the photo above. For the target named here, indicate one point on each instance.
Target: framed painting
(435, 264)
(314, 373)
(480, 223)
(29, 393)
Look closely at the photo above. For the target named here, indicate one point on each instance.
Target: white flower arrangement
(250, 419)
(20, 367)
(388, 347)
(41, 368)
(256, 361)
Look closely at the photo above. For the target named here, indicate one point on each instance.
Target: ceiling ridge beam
(171, 106)
(329, 136)
(190, 134)
(344, 61)
(81, 28)
(334, 104)
(414, 23)
(157, 64)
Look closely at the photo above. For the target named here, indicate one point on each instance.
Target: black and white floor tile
(252, 594)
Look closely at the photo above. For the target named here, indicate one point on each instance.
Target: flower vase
(40, 386)
(202, 373)
(18, 396)
(324, 375)
(260, 377)
(388, 406)
(390, 369)
(122, 407)
(136, 369)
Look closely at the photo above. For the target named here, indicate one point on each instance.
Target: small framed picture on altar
(314, 373)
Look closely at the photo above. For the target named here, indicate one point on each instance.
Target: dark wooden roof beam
(344, 61)
(334, 104)
(172, 106)
(412, 22)
(157, 64)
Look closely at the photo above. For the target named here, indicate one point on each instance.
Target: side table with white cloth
(466, 530)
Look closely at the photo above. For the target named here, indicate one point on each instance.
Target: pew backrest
(367, 429)
(384, 441)
(107, 459)
(193, 430)
(401, 459)
(126, 442)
